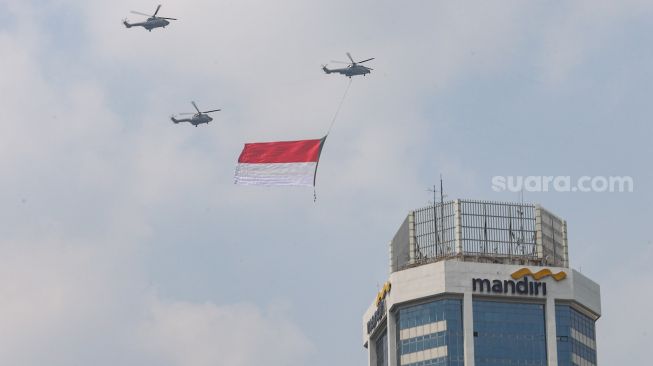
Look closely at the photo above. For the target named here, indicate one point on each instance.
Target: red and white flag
(282, 163)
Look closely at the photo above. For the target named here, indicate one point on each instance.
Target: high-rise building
(479, 283)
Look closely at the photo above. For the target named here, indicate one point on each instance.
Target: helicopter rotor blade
(340, 62)
(139, 13)
(157, 10)
(215, 110)
(187, 113)
(195, 105)
(352, 60)
(369, 59)
(168, 18)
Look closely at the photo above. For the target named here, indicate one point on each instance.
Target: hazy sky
(125, 242)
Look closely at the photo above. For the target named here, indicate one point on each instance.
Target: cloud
(80, 186)
(188, 334)
(109, 209)
(64, 303)
(626, 287)
(577, 31)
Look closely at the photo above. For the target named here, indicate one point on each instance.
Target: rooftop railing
(481, 231)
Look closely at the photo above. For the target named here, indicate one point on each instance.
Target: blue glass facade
(436, 326)
(509, 334)
(382, 349)
(576, 337)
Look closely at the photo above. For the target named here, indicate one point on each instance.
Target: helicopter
(152, 21)
(353, 69)
(197, 119)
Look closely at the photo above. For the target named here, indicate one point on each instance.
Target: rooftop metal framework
(480, 231)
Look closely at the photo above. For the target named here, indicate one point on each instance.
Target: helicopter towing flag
(281, 163)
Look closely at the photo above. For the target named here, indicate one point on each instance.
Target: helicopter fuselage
(349, 71)
(149, 24)
(196, 120)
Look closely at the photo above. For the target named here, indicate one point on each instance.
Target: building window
(509, 334)
(576, 337)
(382, 349)
(430, 334)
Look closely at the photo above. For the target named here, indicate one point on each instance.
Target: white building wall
(454, 278)
(551, 340)
(468, 328)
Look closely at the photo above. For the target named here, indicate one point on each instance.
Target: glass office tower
(575, 336)
(431, 334)
(507, 334)
(486, 284)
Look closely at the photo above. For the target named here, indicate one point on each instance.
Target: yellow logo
(384, 291)
(538, 275)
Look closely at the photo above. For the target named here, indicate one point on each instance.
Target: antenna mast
(441, 208)
(439, 250)
(521, 223)
(435, 219)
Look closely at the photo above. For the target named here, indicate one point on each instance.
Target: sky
(124, 240)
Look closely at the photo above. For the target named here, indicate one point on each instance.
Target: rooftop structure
(480, 231)
(479, 283)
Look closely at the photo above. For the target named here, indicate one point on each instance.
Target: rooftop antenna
(442, 196)
(520, 242)
(553, 242)
(435, 219)
(510, 233)
(438, 240)
(484, 228)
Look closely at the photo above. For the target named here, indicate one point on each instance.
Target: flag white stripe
(276, 174)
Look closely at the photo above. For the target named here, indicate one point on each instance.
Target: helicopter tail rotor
(126, 23)
(324, 67)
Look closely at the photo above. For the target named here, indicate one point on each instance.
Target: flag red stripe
(281, 152)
